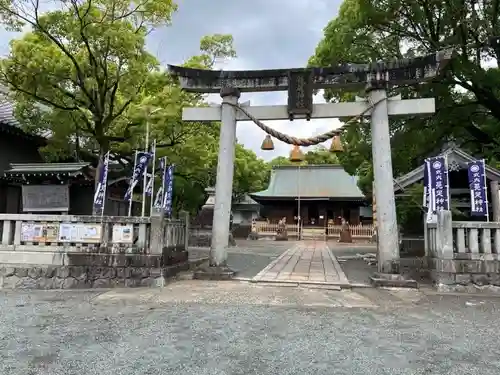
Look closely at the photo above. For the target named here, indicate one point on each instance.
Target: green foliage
(82, 67)
(251, 173)
(320, 155)
(82, 76)
(315, 156)
(366, 31)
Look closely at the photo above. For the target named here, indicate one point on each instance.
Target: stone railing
(74, 233)
(85, 233)
(66, 251)
(470, 240)
(463, 252)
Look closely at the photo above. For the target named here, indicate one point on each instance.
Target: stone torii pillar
(387, 227)
(224, 183)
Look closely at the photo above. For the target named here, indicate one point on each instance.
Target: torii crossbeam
(300, 83)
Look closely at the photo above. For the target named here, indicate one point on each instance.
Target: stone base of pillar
(390, 280)
(207, 272)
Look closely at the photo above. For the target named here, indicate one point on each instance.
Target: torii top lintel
(345, 76)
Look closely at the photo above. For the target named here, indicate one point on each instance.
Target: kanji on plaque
(477, 185)
(438, 184)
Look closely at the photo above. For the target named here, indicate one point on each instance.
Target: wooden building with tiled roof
(323, 193)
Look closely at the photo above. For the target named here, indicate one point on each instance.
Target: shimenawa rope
(304, 141)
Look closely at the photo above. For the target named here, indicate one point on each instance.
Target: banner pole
(132, 188)
(486, 192)
(145, 177)
(105, 182)
(153, 175)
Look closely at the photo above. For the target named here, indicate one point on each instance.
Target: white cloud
(252, 136)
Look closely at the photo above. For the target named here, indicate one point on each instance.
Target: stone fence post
(186, 229)
(444, 235)
(156, 236)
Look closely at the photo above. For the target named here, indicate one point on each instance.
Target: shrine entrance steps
(314, 233)
(305, 263)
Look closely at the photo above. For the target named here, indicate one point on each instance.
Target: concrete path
(307, 262)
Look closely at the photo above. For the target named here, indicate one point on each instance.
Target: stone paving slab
(240, 293)
(304, 262)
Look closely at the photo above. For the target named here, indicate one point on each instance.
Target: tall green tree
(468, 97)
(85, 62)
(82, 76)
(318, 155)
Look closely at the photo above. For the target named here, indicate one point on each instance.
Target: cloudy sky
(267, 33)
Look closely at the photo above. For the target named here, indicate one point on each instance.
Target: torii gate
(300, 84)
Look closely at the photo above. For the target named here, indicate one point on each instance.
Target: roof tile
(311, 181)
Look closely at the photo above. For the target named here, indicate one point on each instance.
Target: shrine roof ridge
(309, 166)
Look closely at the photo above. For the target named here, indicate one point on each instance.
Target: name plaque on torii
(376, 78)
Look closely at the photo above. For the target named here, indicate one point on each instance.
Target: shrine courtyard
(270, 321)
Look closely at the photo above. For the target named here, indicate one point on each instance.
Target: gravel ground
(195, 327)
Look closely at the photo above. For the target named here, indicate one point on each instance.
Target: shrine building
(28, 185)
(323, 192)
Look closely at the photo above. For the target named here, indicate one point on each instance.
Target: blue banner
(159, 194)
(168, 189)
(100, 193)
(439, 188)
(150, 185)
(477, 185)
(141, 163)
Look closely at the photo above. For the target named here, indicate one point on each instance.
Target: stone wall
(95, 271)
(465, 271)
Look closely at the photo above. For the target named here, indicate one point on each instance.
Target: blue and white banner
(150, 185)
(159, 194)
(168, 189)
(477, 185)
(438, 184)
(100, 193)
(141, 162)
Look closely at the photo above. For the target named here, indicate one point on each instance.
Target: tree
(85, 61)
(316, 156)
(320, 155)
(251, 173)
(280, 160)
(367, 31)
(83, 77)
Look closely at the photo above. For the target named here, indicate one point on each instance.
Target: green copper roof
(311, 181)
